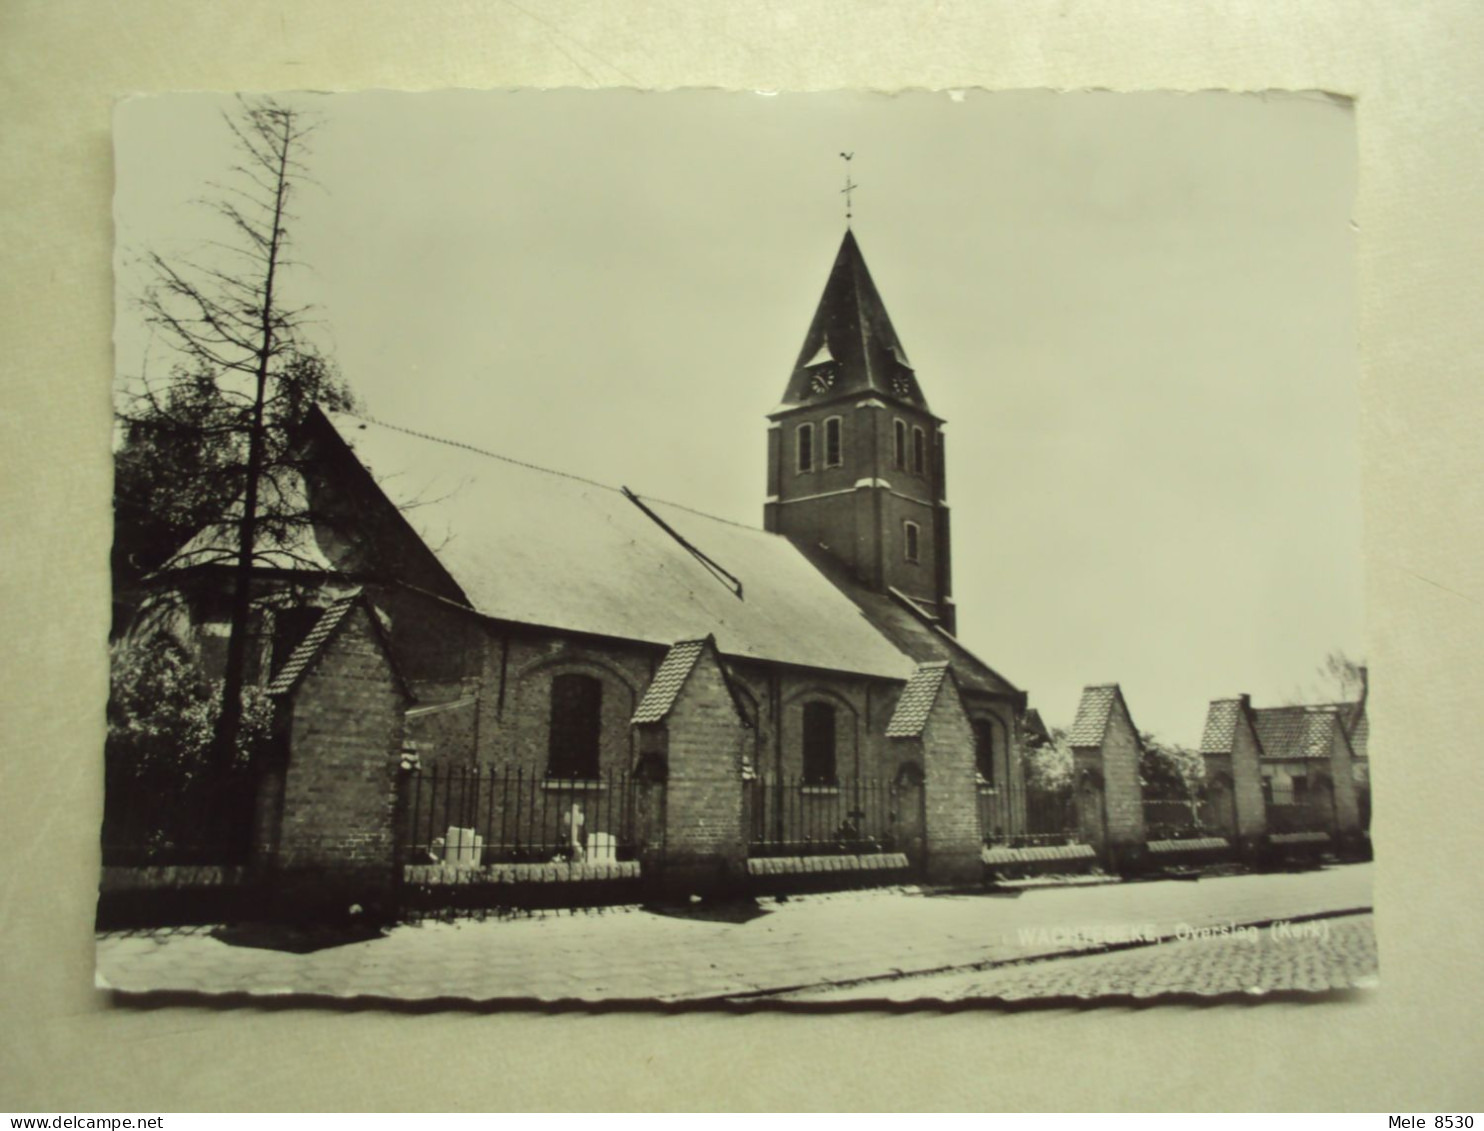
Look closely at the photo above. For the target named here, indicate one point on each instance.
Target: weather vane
(850, 186)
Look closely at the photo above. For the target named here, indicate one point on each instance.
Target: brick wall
(1124, 796)
(1347, 809)
(345, 732)
(1246, 771)
(1087, 775)
(704, 797)
(951, 803)
(1009, 774)
(1219, 809)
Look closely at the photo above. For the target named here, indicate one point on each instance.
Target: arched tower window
(834, 445)
(919, 451)
(819, 744)
(806, 447)
(899, 445)
(984, 749)
(911, 540)
(576, 727)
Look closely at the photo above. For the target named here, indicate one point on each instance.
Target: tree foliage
(1169, 772)
(216, 439)
(182, 462)
(1048, 763)
(163, 785)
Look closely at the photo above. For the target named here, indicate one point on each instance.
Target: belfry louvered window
(576, 727)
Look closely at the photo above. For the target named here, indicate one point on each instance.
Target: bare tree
(245, 368)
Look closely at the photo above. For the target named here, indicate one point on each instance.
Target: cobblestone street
(1314, 956)
(813, 943)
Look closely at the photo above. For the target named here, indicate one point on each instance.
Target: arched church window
(919, 451)
(819, 744)
(911, 539)
(576, 727)
(833, 442)
(984, 749)
(806, 447)
(899, 445)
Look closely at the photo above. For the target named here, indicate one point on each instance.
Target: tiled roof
(668, 680)
(531, 546)
(305, 654)
(1092, 715)
(916, 701)
(281, 544)
(909, 631)
(1221, 726)
(1295, 733)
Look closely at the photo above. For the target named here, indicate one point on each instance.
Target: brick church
(522, 621)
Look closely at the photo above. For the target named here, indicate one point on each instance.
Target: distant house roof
(916, 701)
(1296, 733)
(302, 658)
(1093, 713)
(285, 538)
(1221, 726)
(539, 547)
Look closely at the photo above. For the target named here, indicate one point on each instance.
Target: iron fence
(177, 819)
(792, 817)
(468, 816)
(1177, 818)
(1291, 811)
(1022, 818)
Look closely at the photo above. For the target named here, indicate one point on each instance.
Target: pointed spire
(851, 345)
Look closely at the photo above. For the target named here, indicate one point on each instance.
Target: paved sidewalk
(644, 955)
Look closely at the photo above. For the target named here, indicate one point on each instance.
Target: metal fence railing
(1177, 818)
(1028, 817)
(793, 817)
(468, 816)
(176, 820)
(1293, 811)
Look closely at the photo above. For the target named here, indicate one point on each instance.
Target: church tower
(855, 457)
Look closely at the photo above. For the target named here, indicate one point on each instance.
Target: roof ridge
(477, 450)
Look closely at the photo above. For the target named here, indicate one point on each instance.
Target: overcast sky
(1136, 312)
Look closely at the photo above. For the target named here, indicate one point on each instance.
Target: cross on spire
(850, 186)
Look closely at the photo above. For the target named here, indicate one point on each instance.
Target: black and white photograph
(736, 549)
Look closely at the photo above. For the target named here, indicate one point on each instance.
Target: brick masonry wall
(1246, 771)
(1009, 774)
(345, 733)
(1217, 771)
(951, 793)
(1123, 797)
(1347, 809)
(1087, 774)
(704, 797)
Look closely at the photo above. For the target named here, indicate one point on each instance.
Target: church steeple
(851, 345)
(855, 456)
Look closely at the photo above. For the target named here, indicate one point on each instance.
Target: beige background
(1413, 1044)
